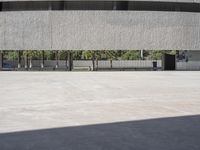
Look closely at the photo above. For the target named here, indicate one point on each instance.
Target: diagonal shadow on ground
(177, 133)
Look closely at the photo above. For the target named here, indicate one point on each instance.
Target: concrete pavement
(130, 103)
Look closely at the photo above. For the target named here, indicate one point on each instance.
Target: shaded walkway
(177, 133)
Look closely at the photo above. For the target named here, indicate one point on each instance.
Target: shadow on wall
(178, 133)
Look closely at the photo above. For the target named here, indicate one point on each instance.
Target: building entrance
(169, 62)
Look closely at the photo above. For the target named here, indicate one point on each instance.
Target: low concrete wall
(88, 63)
(119, 63)
(105, 64)
(190, 65)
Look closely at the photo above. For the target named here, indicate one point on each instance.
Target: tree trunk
(111, 63)
(30, 62)
(97, 64)
(70, 61)
(57, 64)
(66, 60)
(26, 61)
(93, 61)
(142, 54)
(19, 59)
(1, 60)
(42, 60)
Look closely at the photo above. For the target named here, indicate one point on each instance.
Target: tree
(77, 55)
(10, 55)
(28, 57)
(131, 55)
(156, 55)
(111, 55)
(87, 54)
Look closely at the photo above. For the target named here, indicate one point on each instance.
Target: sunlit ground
(42, 100)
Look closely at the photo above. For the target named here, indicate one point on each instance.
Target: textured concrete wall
(191, 55)
(99, 30)
(1, 60)
(194, 56)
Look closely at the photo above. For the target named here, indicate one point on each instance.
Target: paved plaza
(99, 110)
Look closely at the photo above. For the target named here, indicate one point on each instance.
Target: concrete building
(100, 25)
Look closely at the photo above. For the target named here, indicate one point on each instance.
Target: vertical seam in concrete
(23, 26)
(4, 33)
(51, 40)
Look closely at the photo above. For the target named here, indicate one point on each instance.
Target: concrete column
(42, 60)
(70, 61)
(1, 60)
(19, 59)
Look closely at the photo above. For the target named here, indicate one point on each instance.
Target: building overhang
(100, 30)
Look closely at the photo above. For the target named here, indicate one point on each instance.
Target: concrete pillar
(42, 60)
(19, 59)
(70, 61)
(1, 60)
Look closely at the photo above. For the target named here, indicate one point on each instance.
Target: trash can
(154, 65)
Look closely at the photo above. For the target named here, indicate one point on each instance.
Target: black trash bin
(154, 65)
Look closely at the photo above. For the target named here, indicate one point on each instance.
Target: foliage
(131, 55)
(10, 55)
(88, 55)
(111, 54)
(32, 54)
(156, 55)
(77, 55)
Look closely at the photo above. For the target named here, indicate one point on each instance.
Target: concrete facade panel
(125, 30)
(26, 30)
(2, 31)
(100, 30)
(37, 30)
(13, 31)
